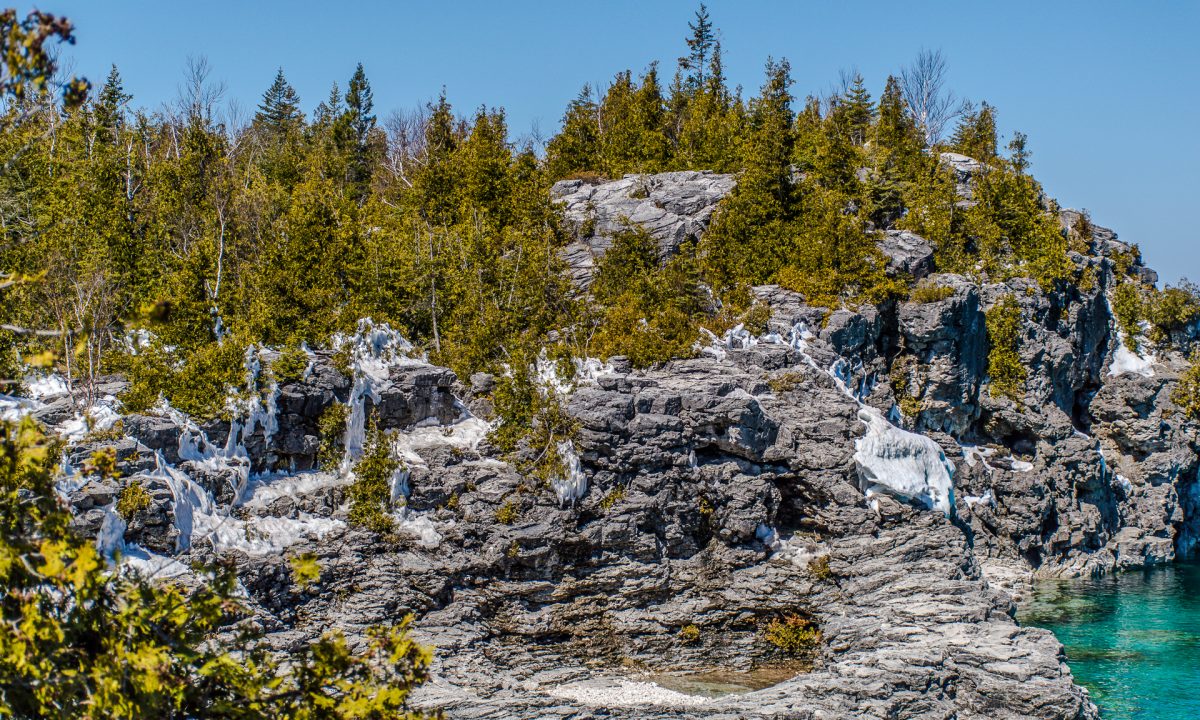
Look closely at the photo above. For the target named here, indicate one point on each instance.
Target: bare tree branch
(924, 86)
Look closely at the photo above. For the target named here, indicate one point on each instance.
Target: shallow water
(1132, 639)
(716, 683)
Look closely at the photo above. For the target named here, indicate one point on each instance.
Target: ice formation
(790, 548)
(904, 464)
(987, 498)
(1127, 362)
(374, 351)
(624, 693)
(572, 484)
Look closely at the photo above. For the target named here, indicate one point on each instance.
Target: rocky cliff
(849, 470)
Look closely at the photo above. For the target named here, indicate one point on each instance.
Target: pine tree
(110, 106)
(576, 148)
(700, 45)
(854, 111)
(354, 133)
(331, 108)
(279, 112)
(975, 135)
(360, 102)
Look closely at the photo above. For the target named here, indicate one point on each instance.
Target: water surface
(1133, 639)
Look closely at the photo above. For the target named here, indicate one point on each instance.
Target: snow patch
(1127, 362)
(572, 484)
(903, 464)
(626, 693)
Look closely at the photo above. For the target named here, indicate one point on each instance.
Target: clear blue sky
(1106, 91)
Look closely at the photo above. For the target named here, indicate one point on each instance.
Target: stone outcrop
(673, 207)
(719, 493)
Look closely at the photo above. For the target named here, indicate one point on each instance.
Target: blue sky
(1106, 91)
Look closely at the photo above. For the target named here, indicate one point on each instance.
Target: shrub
(818, 567)
(289, 365)
(614, 496)
(102, 462)
(83, 640)
(1129, 310)
(1172, 310)
(1186, 394)
(927, 292)
(786, 382)
(371, 492)
(331, 428)
(793, 635)
(507, 513)
(198, 386)
(132, 500)
(1005, 370)
(689, 634)
(306, 570)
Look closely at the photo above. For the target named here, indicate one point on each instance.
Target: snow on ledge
(1127, 362)
(626, 693)
(904, 464)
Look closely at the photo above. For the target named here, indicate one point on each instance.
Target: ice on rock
(374, 351)
(987, 498)
(1127, 362)
(626, 693)
(111, 538)
(904, 464)
(46, 386)
(588, 369)
(571, 485)
(796, 551)
(100, 416)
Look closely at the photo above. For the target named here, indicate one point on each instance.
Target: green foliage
(371, 492)
(793, 635)
(132, 500)
(30, 66)
(1005, 371)
(1172, 310)
(79, 640)
(306, 570)
(198, 385)
(928, 292)
(289, 365)
(648, 311)
(786, 382)
(976, 134)
(102, 462)
(1186, 393)
(507, 513)
(331, 429)
(689, 634)
(819, 568)
(1129, 310)
(612, 497)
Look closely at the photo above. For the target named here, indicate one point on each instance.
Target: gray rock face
(908, 254)
(672, 207)
(723, 494)
(965, 169)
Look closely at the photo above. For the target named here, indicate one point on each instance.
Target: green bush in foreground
(80, 641)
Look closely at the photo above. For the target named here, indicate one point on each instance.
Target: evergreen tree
(700, 45)
(854, 111)
(975, 135)
(360, 103)
(353, 133)
(576, 148)
(110, 106)
(330, 109)
(279, 112)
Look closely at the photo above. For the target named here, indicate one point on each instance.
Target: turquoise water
(1132, 639)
